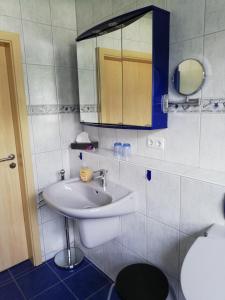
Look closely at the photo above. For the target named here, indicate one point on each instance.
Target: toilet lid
(203, 270)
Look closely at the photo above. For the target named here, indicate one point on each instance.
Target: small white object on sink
(83, 137)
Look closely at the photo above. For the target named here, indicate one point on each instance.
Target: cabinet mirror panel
(109, 77)
(137, 71)
(86, 63)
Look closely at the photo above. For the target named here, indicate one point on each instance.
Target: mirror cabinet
(123, 70)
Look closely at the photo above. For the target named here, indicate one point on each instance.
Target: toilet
(203, 269)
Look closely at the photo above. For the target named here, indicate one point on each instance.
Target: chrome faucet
(102, 177)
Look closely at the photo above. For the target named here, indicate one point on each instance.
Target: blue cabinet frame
(160, 55)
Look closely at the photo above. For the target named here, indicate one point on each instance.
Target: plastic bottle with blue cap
(126, 152)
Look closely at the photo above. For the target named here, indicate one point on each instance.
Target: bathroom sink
(74, 198)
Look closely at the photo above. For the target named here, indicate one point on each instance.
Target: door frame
(24, 157)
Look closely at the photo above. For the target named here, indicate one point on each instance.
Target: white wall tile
(112, 166)
(122, 6)
(113, 258)
(163, 198)
(63, 13)
(130, 257)
(213, 59)
(163, 247)
(13, 25)
(46, 133)
(84, 14)
(214, 20)
(75, 163)
(201, 205)
(133, 177)
(54, 235)
(159, 3)
(134, 235)
(107, 137)
(10, 8)
(66, 163)
(70, 128)
(91, 161)
(48, 166)
(47, 214)
(95, 255)
(93, 132)
(64, 47)
(142, 147)
(212, 144)
(187, 19)
(182, 138)
(42, 86)
(36, 10)
(38, 43)
(101, 9)
(66, 80)
(186, 241)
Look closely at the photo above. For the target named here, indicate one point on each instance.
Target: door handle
(10, 157)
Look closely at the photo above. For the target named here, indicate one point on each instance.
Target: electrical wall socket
(156, 142)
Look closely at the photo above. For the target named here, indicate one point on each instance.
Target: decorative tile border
(210, 105)
(52, 109)
(213, 105)
(86, 108)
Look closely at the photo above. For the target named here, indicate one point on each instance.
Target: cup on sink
(86, 174)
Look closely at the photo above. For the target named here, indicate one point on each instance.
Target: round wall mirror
(188, 77)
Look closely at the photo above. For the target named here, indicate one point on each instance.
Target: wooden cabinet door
(109, 85)
(137, 88)
(124, 87)
(13, 243)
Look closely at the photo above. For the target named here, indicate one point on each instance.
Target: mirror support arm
(166, 102)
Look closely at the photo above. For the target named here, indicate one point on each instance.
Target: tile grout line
(45, 290)
(17, 285)
(96, 292)
(22, 274)
(63, 280)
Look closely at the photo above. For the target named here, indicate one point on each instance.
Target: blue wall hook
(149, 175)
(81, 156)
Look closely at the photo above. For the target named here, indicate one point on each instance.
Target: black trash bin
(142, 282)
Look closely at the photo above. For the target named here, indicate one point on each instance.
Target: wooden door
(13, 242)
(137, 88)
(109, 85)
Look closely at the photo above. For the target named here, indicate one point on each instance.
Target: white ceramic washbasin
(80, 200)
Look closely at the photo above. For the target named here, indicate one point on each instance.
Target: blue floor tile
(103, 294)
(58, 292)
(4, 277)
(36, 281)
(86, 282)
(10, 292)
(62, 273)
(22, 268)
